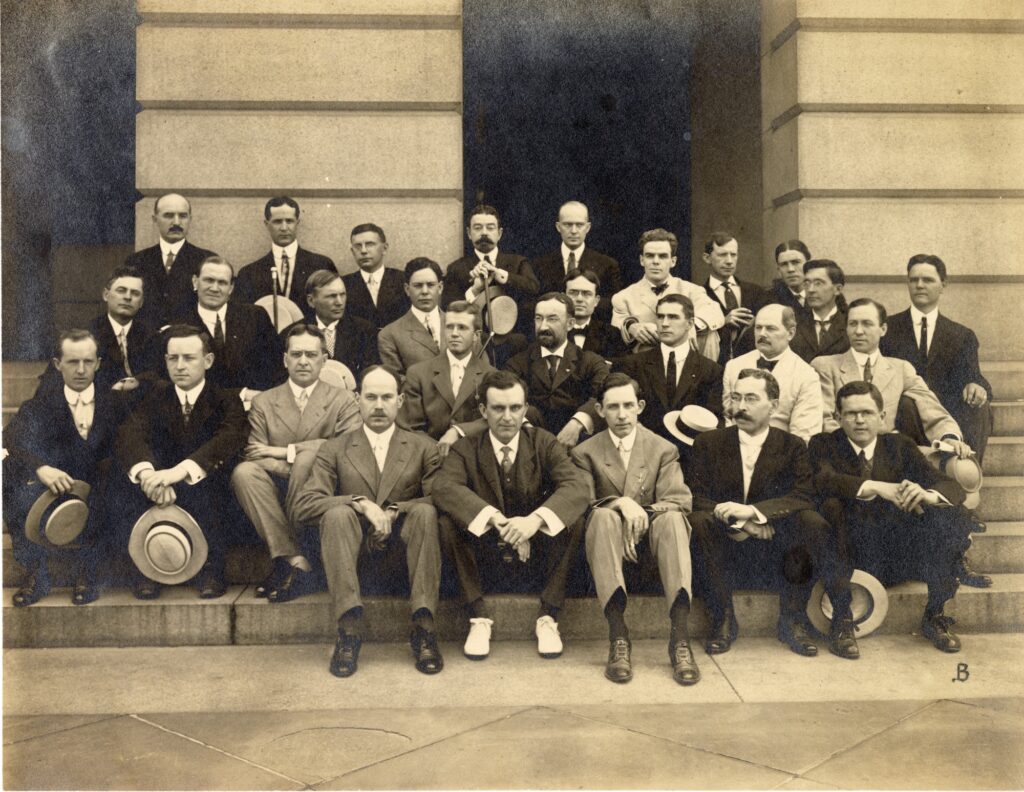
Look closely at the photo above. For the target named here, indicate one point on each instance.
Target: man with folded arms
(288, 424)
(509, 500)
(371, 487)
(638, 512)
(897, 517)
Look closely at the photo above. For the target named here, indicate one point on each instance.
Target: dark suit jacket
(543, 474)
(781, 484)
(837, 470)
(779, 293)
(355, 343)
(700, 383)
(156, 432)
(751, 296)
(145, 352)
(550, 272)
(603, 339)
(952, 358)
(522, 284)
(833, 342)
(345, 468)
(252, 355)
(167, 296)
(392, 301)
(255, 280)
(430, 406)
(576, 385)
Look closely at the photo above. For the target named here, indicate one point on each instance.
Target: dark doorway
(585, 100)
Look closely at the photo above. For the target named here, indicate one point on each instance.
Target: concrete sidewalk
(265, 717)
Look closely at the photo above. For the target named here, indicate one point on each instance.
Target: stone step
(6, 415)
(1002, 498)
(179, 618)
(1008, 418)
(1006, 378)
(1005, 456)
(999, 549)
(20, 380)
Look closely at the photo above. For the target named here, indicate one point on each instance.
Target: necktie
(80, 410)
(457, 373)
(373, 285)
(122, 341)
(169, 261)
(506, 459)
(799, 297)
(282, 279)
(767, 365)
(329, 337)
(186, 410)
(730, 297)
(624, 453)
(571, 262)
(867, 370)
(865, 466)
(302, 400)
(671, 376)
(430, 329)
(821, 327)
(380, 451)
(923, 346)
(487, 259)
(553, 366)
(659, 289)
(218, 332)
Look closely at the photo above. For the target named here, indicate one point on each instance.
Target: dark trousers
(18, 496)
(482, 567)
(895, 546)
(800, 549)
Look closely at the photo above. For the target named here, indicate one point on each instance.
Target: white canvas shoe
(549, 642)
(478, 642)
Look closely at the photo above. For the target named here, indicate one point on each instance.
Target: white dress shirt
(624, 445)
(373, 288)
(167, 247)
(916, 316)
(681, 352)
(718, 287)
(566, 250)
(861, 359)
(210, 319)
(433, 319)
(83, 408)
(458, 370)
(380, 443)
(292, 251)
(750, 450)
(551, 524)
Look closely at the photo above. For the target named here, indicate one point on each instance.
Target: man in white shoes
(640, 503)
(509, 501)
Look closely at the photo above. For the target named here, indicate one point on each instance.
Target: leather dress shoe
(684, 666)
(722, 634)
(295, 584)
(842, 640)
(34, 588)
(211, 584)
(428, 655)
(969, 577)
(278, 570)
(85, 590)
(936, 628)
(619, 667)
(345, 660)
(792, 632)
(978, 526)
(146, 589)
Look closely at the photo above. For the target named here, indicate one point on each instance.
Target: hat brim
(869, 605)
(34, 528)
(670, 421)
(288, 313)
(181, 519)
(503, 316)
(338, 374)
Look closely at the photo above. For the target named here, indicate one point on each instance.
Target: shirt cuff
(195, 473)
(470, 294)
(552, 524)
(290, 454)
(586, 420)
(137, 469)
(943, 500)
(479, 525)
(759, 519)
(458, 430)
(860, 493)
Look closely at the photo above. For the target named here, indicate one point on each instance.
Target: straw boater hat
(338, 374)
(504, 312)
(167, 545)
(288, 313)
(58, 520)
(965, 472)
(687, 423)
(869, 604)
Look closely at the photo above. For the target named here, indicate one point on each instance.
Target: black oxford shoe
(794, 635)
(212, 584)
(145, 589)
(971, 578)
(842, 640)
(684, 667)
(296, 583)
(619, 667)
(345, 660)
(85, 590)
(722, 634)
(936, 628)
(34, 589)
(278, 571)
(425, 650)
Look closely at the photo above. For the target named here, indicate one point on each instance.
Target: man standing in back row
(375, 292)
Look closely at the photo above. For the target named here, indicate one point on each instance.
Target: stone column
(353, 107)
(895, 128)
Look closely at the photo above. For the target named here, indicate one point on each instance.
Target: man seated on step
(588, 332)
(441, 394)
(634, 308)
(350, 339)
(510, 501)
(61, 435)
(369, 492)
(895, 515)
(821, 326)
(753, 482)
(128, 342)
(639, 504)
(799, 410)
(178, 446)
(418, 334)
(287, 426)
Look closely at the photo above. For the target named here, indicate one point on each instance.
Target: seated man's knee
(421, 517)
(339, 517)
(246, 472)
(603, 520)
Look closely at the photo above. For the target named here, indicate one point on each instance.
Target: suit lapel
(527, 477)
(489, 466)
(613, 469)
(315, 408)
(363, 461)
(443, 381)
(566, 365)
(470, 379)
(850, 371)
(420, 334)
(885, 370)
(394, 464)
(687, 378)
(287, 410)
(769, 452)
(731, 485)
(637, 475)
(808, 332)
(203, 408)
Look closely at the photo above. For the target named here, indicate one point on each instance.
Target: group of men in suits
(513, 455)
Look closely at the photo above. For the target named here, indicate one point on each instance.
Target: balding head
(573, 223)
(172, 214)
(774, 328)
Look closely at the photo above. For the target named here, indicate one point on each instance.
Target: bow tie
(768, 365)
(659, 289)
(578, 331)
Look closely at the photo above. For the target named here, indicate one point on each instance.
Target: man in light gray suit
(419, 334)
(287, 425)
